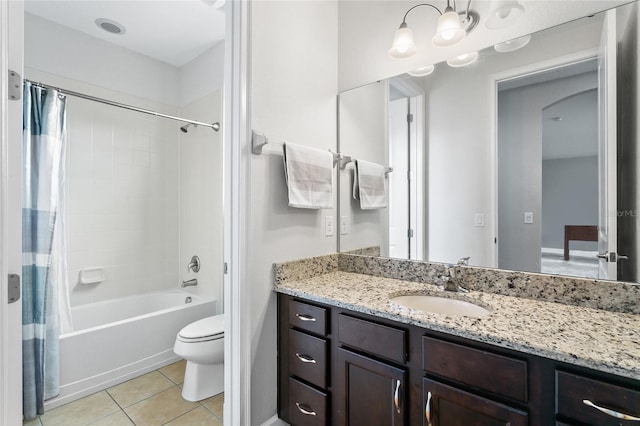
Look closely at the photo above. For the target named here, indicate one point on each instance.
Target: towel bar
(346, 159)
(258, 142)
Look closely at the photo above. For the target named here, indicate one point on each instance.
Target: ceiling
(174, 32)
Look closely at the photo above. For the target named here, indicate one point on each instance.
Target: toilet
(201, 344)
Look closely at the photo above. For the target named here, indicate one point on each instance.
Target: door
(11, 35)
(406, 182)
(607, 188)
(448, 406)
(398, 183)
(369, 392)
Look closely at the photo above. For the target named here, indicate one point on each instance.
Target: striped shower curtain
(43, 174)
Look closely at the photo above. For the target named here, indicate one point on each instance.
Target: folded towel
(369, 185)
(309, 176)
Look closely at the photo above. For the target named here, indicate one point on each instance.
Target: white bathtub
(116, 340)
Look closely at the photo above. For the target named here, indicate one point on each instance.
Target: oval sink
(440, 305)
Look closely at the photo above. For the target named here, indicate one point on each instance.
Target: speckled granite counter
(593, 338)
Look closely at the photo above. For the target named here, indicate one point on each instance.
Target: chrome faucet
(194, 264)
(449, 279)
(189, 283)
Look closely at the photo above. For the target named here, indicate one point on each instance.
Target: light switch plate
(344, 225)
(328, 226)
(478, 219)
(528, 217)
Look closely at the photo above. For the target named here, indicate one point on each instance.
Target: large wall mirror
(523, 160)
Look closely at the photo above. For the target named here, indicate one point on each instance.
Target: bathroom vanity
(348, 355)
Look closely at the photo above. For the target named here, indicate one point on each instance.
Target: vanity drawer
(494, 373)
(572, 390)
(308, 317)
(376, 339)
(308, 358)
(307, 406)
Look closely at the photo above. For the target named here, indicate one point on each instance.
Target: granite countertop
(593, 338)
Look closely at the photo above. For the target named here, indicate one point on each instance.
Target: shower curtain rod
(215, 126)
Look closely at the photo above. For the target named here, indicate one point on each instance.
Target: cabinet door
(369, 392)
(448, 406)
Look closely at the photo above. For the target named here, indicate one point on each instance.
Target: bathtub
(116, 340)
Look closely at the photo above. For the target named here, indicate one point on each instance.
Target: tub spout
(188, 283)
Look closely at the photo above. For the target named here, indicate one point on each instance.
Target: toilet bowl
(201, 344)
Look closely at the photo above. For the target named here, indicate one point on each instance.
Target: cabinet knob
(305, 358)
(305, 410)
(304, 317)
(396, 396)
(427, 409)
(610, 412)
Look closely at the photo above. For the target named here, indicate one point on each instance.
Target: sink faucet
(449, 279)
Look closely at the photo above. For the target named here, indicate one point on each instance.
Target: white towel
(369, 185)
(309, 175)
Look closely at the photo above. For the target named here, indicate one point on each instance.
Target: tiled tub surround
(531, 313)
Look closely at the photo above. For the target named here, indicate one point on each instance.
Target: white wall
(367, 29)
(520, 166)
(62, 51)
(294, 85)
(201, 220)
(202, 75)
(363, 135)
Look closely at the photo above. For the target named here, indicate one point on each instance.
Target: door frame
(494, 79)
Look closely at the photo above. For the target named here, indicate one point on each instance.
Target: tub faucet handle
(194, 264)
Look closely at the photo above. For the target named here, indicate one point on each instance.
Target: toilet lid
(206, 327)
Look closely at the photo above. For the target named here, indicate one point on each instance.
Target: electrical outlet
(328, 226)
(528, 217)
(344, 225)
(478, 219)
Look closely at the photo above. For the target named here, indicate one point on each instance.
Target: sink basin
(440, 305)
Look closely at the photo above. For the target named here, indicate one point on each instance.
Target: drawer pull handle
(304, 410)
(610, 412)
(396, 396)
(305, 358)
(427, 409)
(304, 317)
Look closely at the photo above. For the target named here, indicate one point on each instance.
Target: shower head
(185, 128)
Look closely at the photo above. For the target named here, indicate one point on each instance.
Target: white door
(398, 181)
(416, 178)
(607, 217)
(11, 36)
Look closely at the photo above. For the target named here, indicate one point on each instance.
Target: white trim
(11, 53)
(237, 407)
(494, 79)
(274, 421)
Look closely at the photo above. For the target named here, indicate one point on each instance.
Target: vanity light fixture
(511, 45)
(504, 13)
(450, 30)
(463, 60)
(422, 71)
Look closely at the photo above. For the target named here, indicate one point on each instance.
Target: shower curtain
(43, 179)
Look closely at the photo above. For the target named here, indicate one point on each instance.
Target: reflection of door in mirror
(406, 183)
(547, 168)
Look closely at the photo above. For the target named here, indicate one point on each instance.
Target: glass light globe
(448, 31)
(403, 45)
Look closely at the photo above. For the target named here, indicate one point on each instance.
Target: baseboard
(274, 421)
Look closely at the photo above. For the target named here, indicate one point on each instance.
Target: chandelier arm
(418, 5)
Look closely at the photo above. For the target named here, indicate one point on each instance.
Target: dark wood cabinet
(342, 367)
(449, 406)
(371, 392)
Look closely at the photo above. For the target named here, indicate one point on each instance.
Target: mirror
(499, 160)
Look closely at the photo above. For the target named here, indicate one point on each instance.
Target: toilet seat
(206, 329)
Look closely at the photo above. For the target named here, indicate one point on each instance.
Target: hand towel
(309, 176)
(369, 185)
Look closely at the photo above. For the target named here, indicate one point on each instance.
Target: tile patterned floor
(150, 400)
